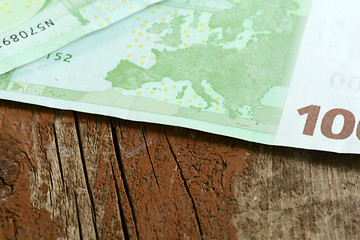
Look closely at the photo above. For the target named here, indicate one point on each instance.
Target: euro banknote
(281, 72)
(30, 29)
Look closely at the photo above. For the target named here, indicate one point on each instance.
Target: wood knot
(10, 158)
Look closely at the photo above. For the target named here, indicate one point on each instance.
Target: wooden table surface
(80, 176)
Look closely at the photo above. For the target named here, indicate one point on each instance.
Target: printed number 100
(327, 122)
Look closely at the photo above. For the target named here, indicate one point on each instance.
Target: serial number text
(24, 34)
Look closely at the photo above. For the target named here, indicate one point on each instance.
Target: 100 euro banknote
(281, 72)
(30, 29)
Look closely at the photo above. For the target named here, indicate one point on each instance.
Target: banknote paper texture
(30, 29)
(322, 110)
(279, 72)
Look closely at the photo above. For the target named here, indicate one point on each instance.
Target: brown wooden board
(69, 175)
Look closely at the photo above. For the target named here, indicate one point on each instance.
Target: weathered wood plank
(162, 206)
(210, 164)
(25, 172)
(79, 202)
(291, 193)
(95, 177)
(111, 204)
(44, 192)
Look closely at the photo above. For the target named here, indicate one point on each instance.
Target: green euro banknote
(30, 29)
(280, 72)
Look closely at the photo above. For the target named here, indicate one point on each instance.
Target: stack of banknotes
(279, 72)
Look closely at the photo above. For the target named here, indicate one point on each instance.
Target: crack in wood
(224, 166)
(78, 216)
(122, 172)
(16, 229)
(62, 177)
(86, 175)
(2, 180)
(58, 158)
(186, 186)
(29, 160)
(52, 187)
(148, 153)
(122, 215)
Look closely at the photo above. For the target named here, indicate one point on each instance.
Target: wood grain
(68, 175)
